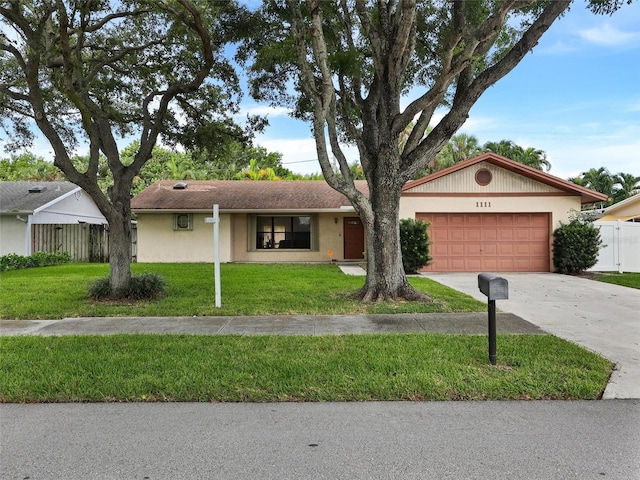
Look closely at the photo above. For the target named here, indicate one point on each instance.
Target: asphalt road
(431, 440)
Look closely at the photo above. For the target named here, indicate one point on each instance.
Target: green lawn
(269, 368)
(247, 289)
(220, 368)
(631, 280)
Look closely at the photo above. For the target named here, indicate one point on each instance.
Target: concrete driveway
(602, 317)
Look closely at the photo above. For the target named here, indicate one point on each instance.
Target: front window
(283, 232)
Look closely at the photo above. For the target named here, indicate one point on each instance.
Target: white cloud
(299, 155)
(608, 36)
(634, 106)
(572, 159)
(558, 48)
(264, 110)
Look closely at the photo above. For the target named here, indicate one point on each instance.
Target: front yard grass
(247, 289)
(150, 368)
(631, 280)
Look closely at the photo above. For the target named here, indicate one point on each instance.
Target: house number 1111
(483, 204)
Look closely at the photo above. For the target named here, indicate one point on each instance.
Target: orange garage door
(488, 242)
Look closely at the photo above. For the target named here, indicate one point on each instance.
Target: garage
(498, 242)
(491, 214)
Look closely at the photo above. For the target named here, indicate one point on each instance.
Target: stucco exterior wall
(13, 236)
(159, 242)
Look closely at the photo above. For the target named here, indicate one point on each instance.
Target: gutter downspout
(27, 240)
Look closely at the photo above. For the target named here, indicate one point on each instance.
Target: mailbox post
(495, 288)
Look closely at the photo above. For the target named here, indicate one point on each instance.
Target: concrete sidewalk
(463, 323)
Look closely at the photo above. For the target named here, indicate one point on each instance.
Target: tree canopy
(93, 72)
(345, 66)
(618, 186)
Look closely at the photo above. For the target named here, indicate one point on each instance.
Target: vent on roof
(37, 189)
(180, 186)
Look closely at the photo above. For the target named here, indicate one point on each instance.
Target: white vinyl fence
(620, 251)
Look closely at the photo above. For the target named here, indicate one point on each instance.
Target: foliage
(462, 147)
(618, 186)
(576, 246)
(414, 242)
(26, 167)
(459, 148)
(292, 368)
(146, 286)
(13, 261)
(61, 291)
(530, 156)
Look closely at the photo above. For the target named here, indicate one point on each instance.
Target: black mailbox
(494, 287)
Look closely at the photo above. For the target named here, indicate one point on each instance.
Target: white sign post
(216, 253)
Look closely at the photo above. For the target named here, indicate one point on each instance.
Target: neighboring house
(620, 234)
(51, 217)
(488, 213)
(628, 210)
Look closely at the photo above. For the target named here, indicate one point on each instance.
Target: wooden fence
(84, 242)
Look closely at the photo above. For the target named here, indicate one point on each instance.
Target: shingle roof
(15, 197)
(242, 195)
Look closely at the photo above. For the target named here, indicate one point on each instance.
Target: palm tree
(535, 158)
(626, 185)
(464, 146)
(531, 157)
(459, 148)
(598, 179)
(506, 148)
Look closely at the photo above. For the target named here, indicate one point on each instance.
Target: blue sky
(576, 97)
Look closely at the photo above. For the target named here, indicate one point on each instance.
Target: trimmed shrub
(414, 243)
(13, 261)
(143, 287)
(576, 246)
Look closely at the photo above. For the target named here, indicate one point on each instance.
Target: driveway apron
(602, 317)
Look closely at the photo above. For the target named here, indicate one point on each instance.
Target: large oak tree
(95, 71)
(345, 66)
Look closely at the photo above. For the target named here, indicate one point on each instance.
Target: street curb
(610, 389)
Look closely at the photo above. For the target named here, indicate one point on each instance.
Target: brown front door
(353, 238)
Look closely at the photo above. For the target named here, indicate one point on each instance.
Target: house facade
(50, 216)
(486, 214)
(260, 221)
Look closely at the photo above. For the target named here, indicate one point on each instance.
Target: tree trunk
(120, 245)
(386, 279)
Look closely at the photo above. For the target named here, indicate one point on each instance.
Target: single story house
(628, 210)
(488, 213)
(51, 217)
